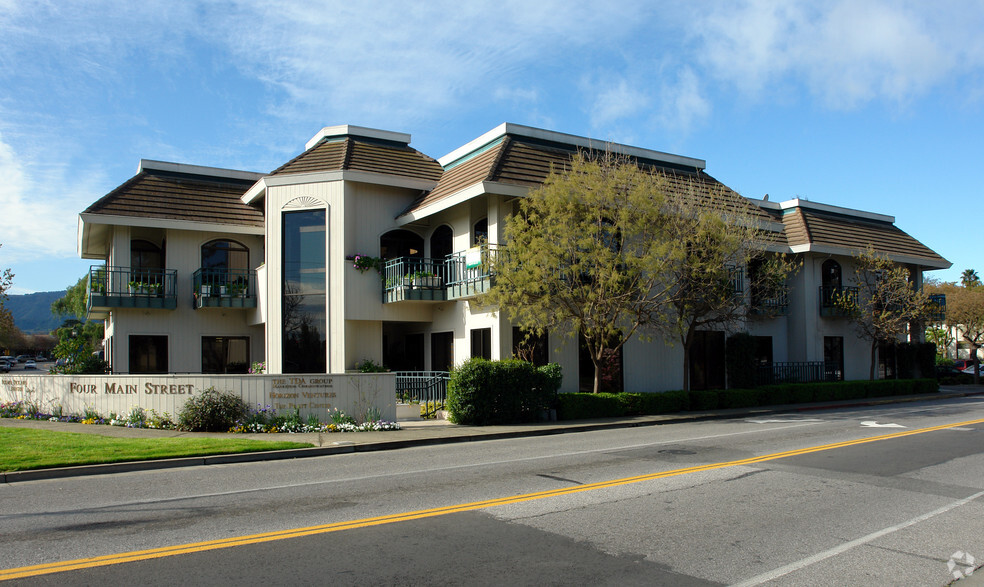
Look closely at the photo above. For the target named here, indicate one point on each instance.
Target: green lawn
(27, 448)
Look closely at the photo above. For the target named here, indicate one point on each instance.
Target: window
(401, 243)
(148, 353)
(145, 255)
(707, 360)
(225, 354)
(481, 343)
(304, 303)
(830, 274)
(225, 255)
(480, 233)
(442, 351)
(441, 242)
(530, 347)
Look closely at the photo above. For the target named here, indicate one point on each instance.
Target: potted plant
(205, 290)
(426, 279)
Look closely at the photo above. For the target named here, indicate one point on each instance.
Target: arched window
(830, 274)
(225, 255)
(401, 243)
(145, 255)
(441, 242)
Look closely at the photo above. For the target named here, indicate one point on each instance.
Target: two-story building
(207, 270)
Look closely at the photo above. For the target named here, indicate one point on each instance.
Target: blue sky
(874, 105)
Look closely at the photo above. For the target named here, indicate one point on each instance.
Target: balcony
(471, 272)
(831, 296)
(777, 305)
(414, 279)
(936, 311)
(224, 288)
(123, 287)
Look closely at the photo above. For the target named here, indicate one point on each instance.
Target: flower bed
(262, 419)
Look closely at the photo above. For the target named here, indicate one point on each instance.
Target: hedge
(482, 392)
(579, 406)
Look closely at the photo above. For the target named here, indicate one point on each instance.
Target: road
(872, 496)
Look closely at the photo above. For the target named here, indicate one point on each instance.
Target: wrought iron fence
(428, 388)
(797, 372)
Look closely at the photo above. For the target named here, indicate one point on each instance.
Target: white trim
(260, 187)
(798, 203)
(89, 219)
(148, 164)
(461, 196)
(361, 131)
(849, 252)
(559, 137)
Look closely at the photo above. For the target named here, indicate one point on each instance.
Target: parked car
(4, 367)
(961, 364)
(970, 369)
(22, 358)
(30, 364)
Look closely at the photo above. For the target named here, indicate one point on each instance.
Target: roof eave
(923, 262)
(461, 196)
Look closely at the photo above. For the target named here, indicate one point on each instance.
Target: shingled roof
(363, 154)
(516, 160)
(829, 231)
(161, 194)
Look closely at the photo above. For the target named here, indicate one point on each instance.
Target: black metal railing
(427, 388)
(224, 288)
(472, 272)
(414, 278)
(835, 300)
(736, 280)
(793, 372)
(129, 287)
(777, 305)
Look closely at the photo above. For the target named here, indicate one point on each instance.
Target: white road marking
(873, 424)
(781, 571)
(784, 421)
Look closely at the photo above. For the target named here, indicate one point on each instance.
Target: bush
(212, 411)
(483, 392)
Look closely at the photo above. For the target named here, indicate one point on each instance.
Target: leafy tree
(886, 304)
(969, 278)
(605, 249)
(940, 329)
(586, 253)
(77, 337)
(725, 253)
(965, 310)
(8, 331)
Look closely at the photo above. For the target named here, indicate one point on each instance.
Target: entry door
(707, 360)
(442, 351)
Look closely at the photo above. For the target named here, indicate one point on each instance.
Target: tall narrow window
(481, 343)
(833, 358)
(480, 234)
(304, 304)
(225, 354)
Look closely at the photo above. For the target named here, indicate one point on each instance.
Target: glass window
(530, 347)
(304, 304)
(225, 354)
(146, 255)
(225, 255)
(481, 232)
(401, 243)
(148, 353)
(441, 242)
(481, 343)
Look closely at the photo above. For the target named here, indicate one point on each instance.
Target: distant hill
(32, 312)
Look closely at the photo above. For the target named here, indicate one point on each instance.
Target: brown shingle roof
(807, 226)
(178, 196)
(522, 161)
(361, 154)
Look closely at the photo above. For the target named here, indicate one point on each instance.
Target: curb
(584, 426)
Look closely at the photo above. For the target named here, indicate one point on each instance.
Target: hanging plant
(365, 263)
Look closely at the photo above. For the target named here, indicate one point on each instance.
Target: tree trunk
(687, 342)
(874, 360)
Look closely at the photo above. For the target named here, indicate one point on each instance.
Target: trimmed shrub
(483, 392)
(584, 406)
(704, 399)
(212, 411)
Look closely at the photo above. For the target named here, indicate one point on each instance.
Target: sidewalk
(413, 433)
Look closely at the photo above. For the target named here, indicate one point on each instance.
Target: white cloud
(846, 52)
(683, 103)
(612, 100)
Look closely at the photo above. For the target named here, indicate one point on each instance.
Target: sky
(867, 104)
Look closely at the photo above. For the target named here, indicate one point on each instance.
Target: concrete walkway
(413, 433)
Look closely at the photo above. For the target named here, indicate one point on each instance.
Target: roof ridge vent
(343, 130)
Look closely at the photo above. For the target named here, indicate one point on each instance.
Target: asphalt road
(826, 498)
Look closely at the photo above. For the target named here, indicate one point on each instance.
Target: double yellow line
(140, 555)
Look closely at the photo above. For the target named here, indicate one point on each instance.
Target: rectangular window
(225, 354)
(148, 353)
(442, 351)
(481, 343)
(304, 302)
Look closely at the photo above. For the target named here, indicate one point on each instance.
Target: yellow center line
(139, 555)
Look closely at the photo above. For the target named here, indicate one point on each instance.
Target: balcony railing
(736, 280)
(428, 388)
(472, 272)
(414, 278)
(777, 305)
(937, 308)
(830, 296)
(224, 288)
(123, 287)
